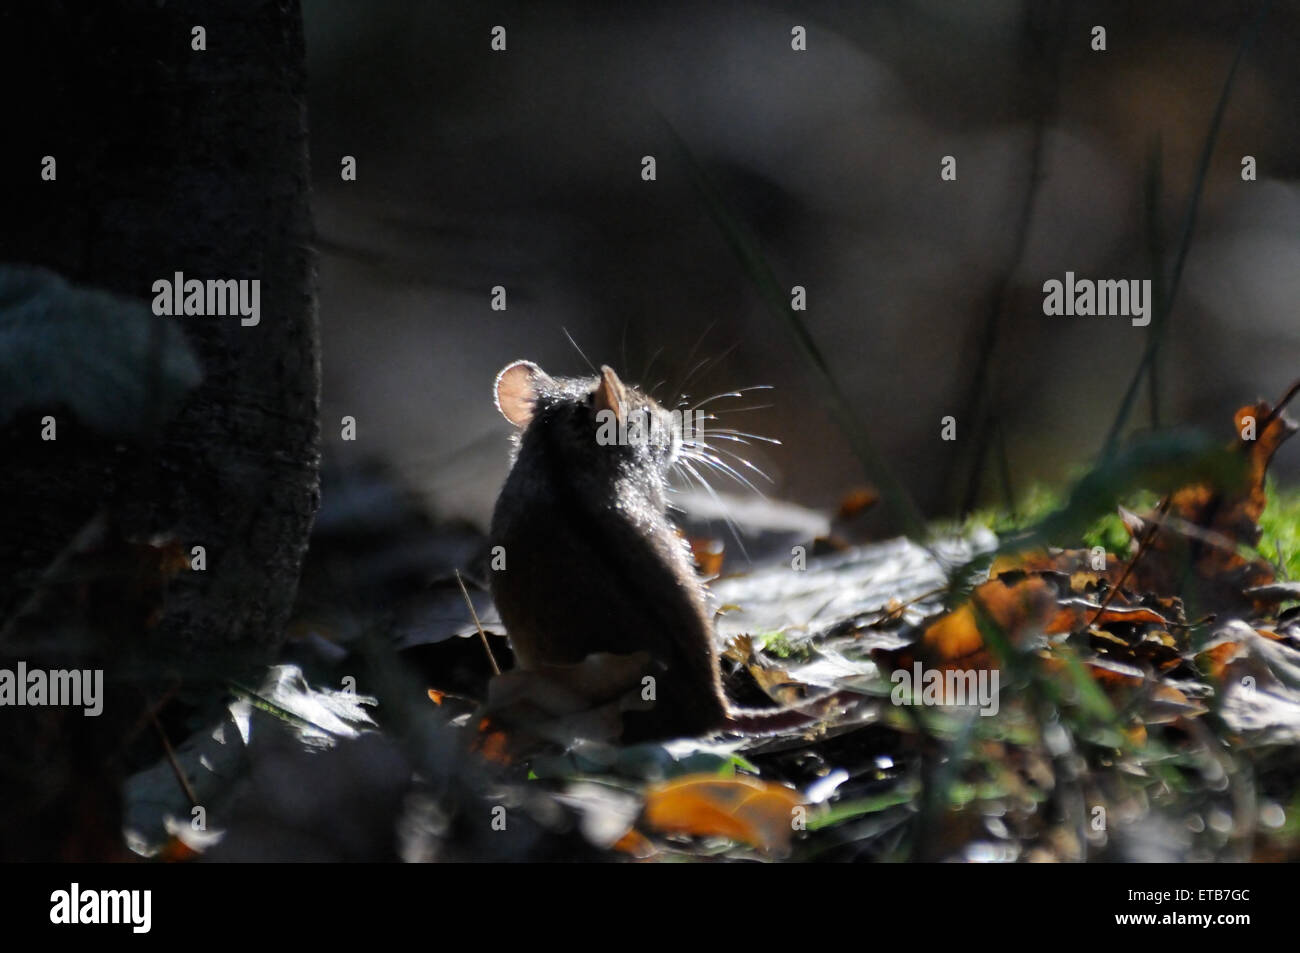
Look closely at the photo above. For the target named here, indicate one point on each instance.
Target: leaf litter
(1148, 687)
(1147, 703)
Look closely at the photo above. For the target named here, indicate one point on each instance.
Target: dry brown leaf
(1205, 524)
(777, 683)
(1074, 615)
(1074, 563)
(1121, 680)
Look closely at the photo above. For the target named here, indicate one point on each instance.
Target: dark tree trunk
(172, 160)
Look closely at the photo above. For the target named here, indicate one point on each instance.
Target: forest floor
(1077, 681)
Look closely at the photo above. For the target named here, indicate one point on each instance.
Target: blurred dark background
(477, 168)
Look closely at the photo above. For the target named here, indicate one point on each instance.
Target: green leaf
(848, 810)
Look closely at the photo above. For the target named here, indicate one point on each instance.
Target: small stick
(171, 758)
(1149, 535)
(1280, 406)
(481, 634)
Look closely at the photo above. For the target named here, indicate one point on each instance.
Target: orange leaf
(634, 843)
(492, 743)
(857, 501)
(1216, 658)
(1018, 610)
(708, 552)
(741, 809)
(953, 641)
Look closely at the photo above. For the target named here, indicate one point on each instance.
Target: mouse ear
(610, 394)
(516, 391)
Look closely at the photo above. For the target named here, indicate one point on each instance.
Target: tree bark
(169, 159)
(177, 160)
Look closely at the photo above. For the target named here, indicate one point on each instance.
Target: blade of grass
(1152, 188)
(1043, 39)
(258, 700)
(848, 810)
(745, 247)
(940, 771)
(1160, 319)
(1004, 465)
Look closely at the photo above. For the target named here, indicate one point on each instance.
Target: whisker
(731, 393)
(705, 363)
(737, 457)
(579, 350)
(675, 470)
(649, 364)
(741, 410)
(732, 432)
(694, 478)
(723, 466)
(691, 373)
(726, 517)
(680, 468)
(622, 344)
(687, 472)
(720, 436)
(691, 354)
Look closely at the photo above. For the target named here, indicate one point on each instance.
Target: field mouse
(592, 563)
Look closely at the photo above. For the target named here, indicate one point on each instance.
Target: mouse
(592, 561)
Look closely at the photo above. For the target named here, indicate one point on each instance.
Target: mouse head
(597, 418)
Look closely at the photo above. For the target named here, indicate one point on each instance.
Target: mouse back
(592, 563)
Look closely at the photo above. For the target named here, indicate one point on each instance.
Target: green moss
(1033, 505)
(1040, 500)
(1110, 532)
(1280, 526)
(779, 644)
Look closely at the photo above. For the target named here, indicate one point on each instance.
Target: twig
(1137, 557)
(481, 634)
(1279, 406)
(171, 759)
